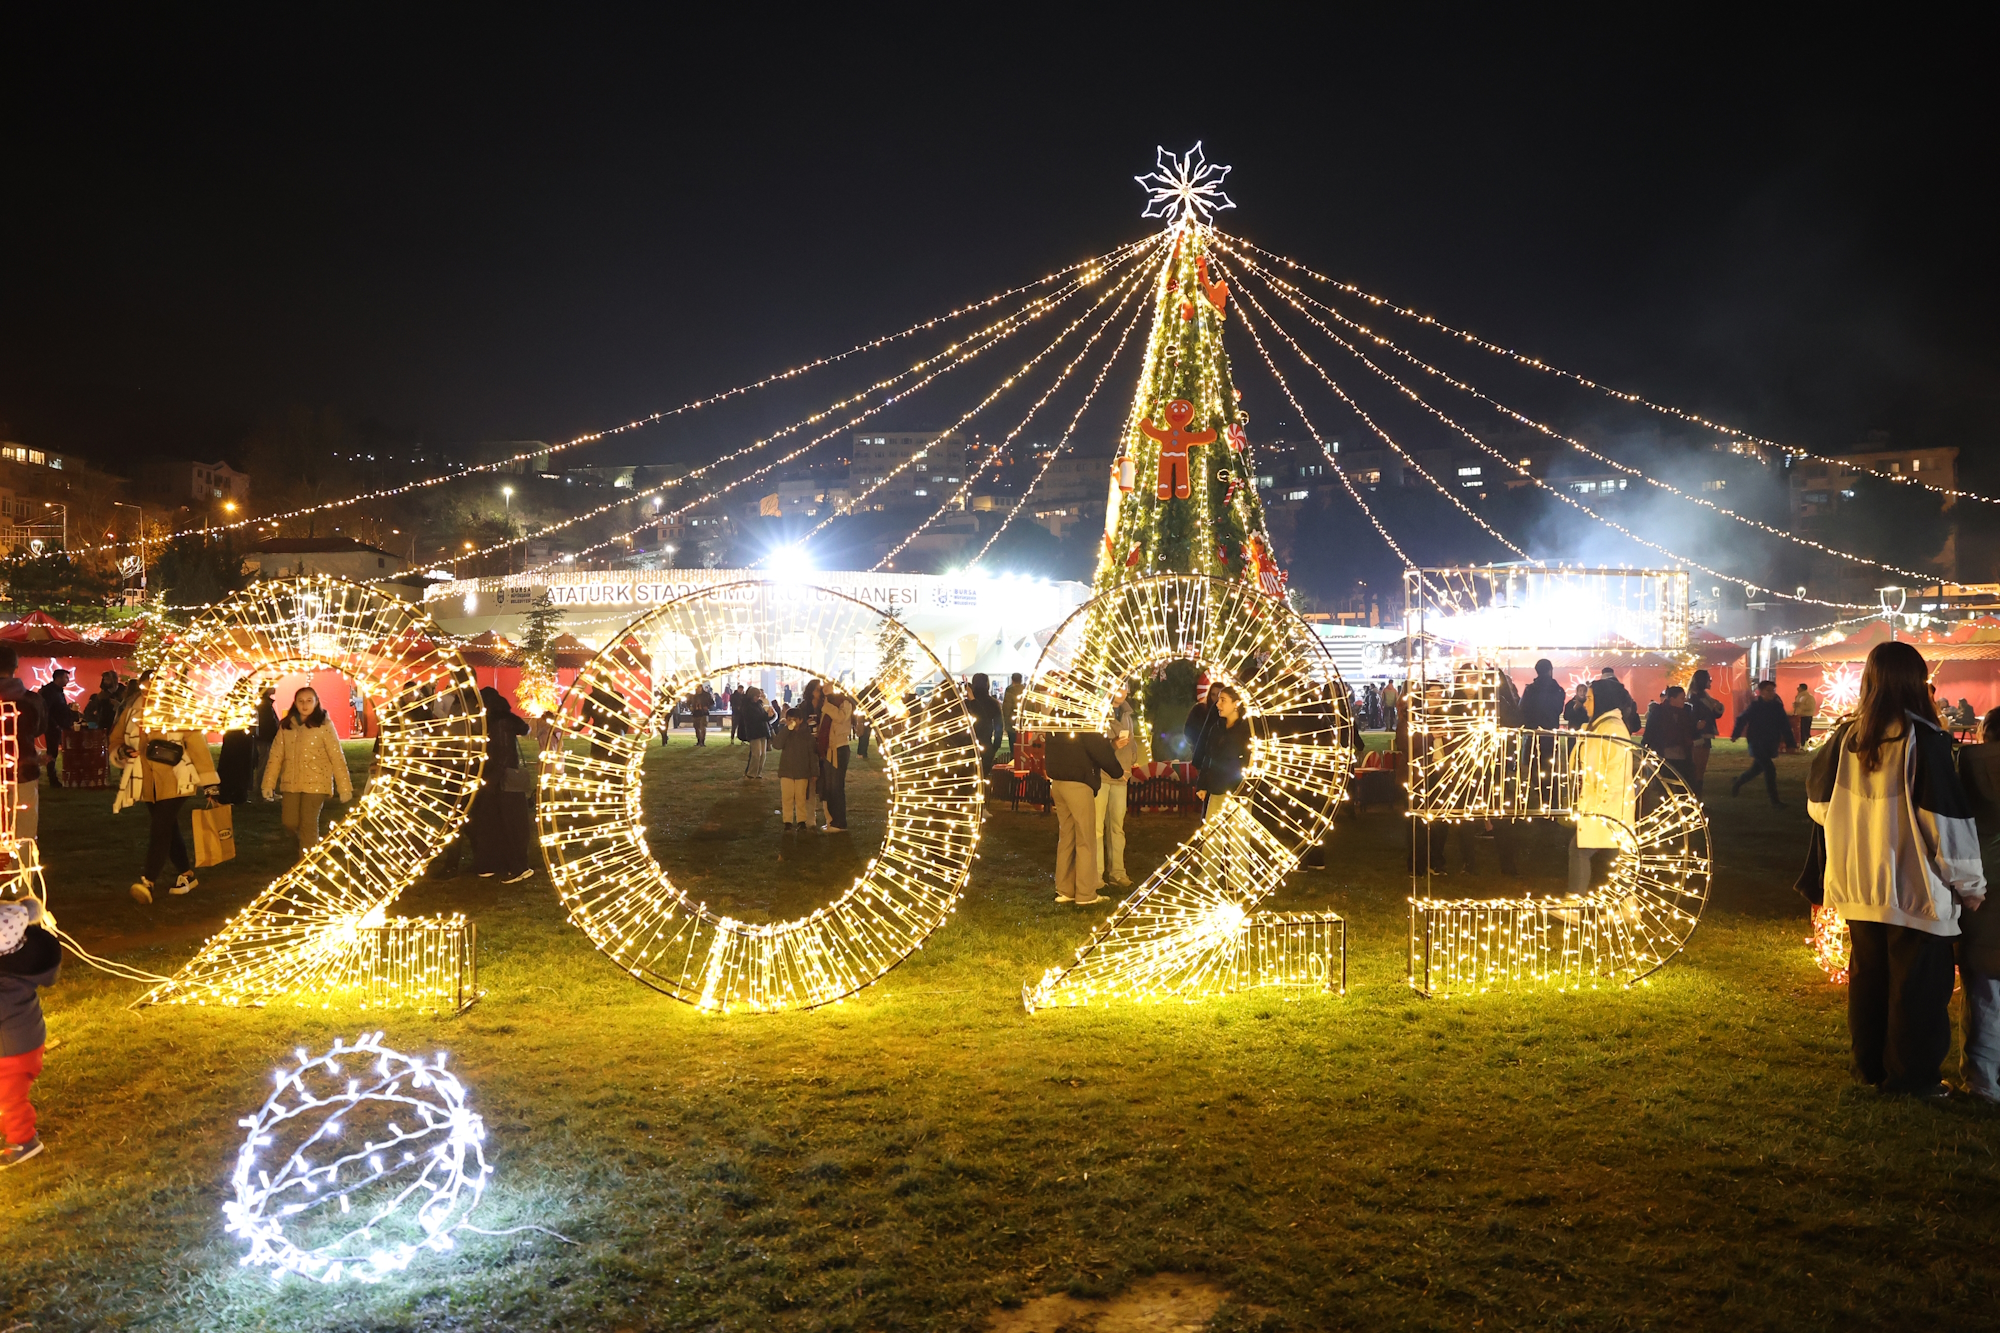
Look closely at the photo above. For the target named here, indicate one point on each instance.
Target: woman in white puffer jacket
(1902, 865)
(307, 765)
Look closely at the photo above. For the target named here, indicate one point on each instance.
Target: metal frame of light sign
(302, 936)
(1188, 931)
(594, 838)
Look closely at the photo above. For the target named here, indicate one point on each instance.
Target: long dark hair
(1894, 682)
(1700, 681)
(813, 697)
(318, 718)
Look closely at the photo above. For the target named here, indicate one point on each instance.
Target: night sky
(463, 227)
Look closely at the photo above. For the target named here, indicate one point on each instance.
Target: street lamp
(120, 504)
(506, 497)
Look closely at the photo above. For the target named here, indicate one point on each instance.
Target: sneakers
(1062, 898)
(1098, 901)
(185, 882)
(142, 892)
(516, 879)
(16, 1153)
(833, 828)
(1120, 883)
(488, 874)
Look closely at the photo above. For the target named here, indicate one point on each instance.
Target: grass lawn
(926, 1156)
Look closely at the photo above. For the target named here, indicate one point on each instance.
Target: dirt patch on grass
(1163, 1303)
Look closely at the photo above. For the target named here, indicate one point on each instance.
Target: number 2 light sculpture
(317, 932)
(1189, 930)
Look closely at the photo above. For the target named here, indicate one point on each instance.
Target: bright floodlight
(789, 563)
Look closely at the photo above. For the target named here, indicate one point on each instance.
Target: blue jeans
(1980, 1065)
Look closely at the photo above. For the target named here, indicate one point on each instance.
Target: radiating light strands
(361, 1160)
(995, 453)
(617, 893)
(958, 354)
(1188, 932)
(1735, 434)
(311, 933)
(1084, 271)
(1305, 305)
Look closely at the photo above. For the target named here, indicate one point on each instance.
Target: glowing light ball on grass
(362, 1160)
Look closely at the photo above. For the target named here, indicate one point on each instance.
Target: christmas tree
(537, 693)
(1182, 497)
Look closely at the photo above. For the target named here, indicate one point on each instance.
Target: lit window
(1916, 465)
(1526, 461)
(1714, 485)
(1372, 477)
(1583, 487)
(920, 491)
(1468, 472)
(1297, 495)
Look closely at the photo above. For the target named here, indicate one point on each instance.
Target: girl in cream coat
(306, 766)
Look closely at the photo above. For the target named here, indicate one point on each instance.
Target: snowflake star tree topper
(1184, 187)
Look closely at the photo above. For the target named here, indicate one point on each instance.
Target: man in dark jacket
(1542, 701)
(1670, 732)
(701, 705)
(1076, 762)
(1607, 695)
(1767, 726)
(58, 718)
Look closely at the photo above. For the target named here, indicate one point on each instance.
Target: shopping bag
(214, 835)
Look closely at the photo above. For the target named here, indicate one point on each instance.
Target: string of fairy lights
(1526, 474)
(316, 933)
(966, 353)
(361, 1159)
(1733, 433)
(1189, 931)
(1027, 367)
(1375, 427)
(950, 358)
(957, 498)
(1062, 444)
(1087, 266)
(1300, 301)
(618, 895)
(1333, 459)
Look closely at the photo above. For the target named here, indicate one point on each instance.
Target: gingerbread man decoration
(1216, 292)
(1174, 443)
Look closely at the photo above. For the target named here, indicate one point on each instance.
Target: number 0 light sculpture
(595, 841)
(1188, 931)
(314, 933)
